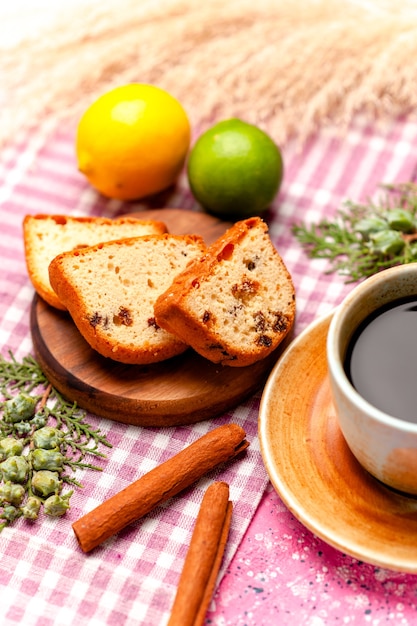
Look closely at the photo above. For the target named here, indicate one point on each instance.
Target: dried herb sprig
(42, 436)
(363, 239)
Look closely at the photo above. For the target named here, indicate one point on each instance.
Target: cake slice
(237, 303)
(110, 289)
(46, 236)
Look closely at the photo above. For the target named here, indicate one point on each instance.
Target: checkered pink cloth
(45, 579)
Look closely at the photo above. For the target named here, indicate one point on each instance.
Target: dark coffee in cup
(381, 360)
(373, 378)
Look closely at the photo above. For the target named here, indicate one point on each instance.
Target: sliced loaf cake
(46, 236)
(110, 289)
(236, 303)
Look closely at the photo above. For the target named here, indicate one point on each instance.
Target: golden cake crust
(110, 290)
(235, 304)
(45, 236)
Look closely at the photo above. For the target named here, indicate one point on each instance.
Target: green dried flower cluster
(364, 239)
(43, 440)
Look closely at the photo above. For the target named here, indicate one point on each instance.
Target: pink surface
(275, 570)
(282, 574)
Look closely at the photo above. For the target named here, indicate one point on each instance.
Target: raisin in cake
(46, 236)
(235, 304)
(110, 289)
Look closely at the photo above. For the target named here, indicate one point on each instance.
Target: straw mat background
(290, 67)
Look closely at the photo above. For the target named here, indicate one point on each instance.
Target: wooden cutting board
(182, 390)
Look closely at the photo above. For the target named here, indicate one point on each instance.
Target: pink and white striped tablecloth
(275, 571)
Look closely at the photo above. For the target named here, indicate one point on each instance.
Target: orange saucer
(313, 470)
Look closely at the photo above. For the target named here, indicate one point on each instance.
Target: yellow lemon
(132, 141)
(235, 169)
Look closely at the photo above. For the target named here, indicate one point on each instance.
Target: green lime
(235, 170)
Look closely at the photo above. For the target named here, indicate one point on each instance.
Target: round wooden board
(182, 390)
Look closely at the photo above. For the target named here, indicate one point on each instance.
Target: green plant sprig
(42, 436)
(68, 415)
(363, 239)
(25, 375)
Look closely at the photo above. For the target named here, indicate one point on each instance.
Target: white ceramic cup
(384, 445)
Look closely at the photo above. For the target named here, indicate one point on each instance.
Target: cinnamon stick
(161, 483)
(204, 556)
(199, 620)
